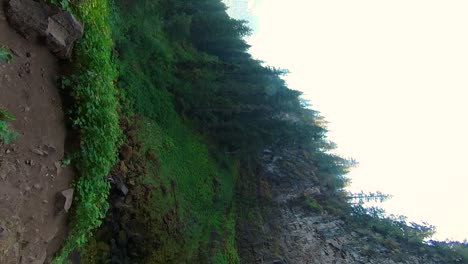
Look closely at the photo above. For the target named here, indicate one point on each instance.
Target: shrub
(94, 115)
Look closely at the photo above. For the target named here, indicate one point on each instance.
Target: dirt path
(29, 179)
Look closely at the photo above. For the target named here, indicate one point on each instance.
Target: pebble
(3, 232)
(37, 186)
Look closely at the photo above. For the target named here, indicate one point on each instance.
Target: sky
(391, 78)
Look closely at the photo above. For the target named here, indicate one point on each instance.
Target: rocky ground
(31, 175)
(290, 233)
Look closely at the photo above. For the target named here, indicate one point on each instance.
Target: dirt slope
(29, 179)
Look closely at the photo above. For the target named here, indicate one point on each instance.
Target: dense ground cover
(94, 116)
(200, 187)
(201, 110)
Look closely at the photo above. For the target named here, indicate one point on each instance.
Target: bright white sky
(391, 77)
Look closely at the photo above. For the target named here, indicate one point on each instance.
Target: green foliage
(312, 204)
(6, 134)
(64, 4)
(5, 116)
(403, 237)
(184, 65)
(5, 55)
(195, 212)
(202, 197)
(94, 115)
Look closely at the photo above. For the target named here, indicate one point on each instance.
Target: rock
(37, 186)
(39, 259)
(64, 200)
(122, 188)
(312, 192)
(123, 168)
(36, 20)
(62, 31)
(126, 152)
(131, 182)
(40, 152)
(3, 232)
(28, 17)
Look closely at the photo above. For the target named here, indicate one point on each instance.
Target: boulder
(34, 20)
(64, 200)
(62, 31)
(28, 17)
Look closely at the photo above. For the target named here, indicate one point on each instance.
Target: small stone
(45, 201)
(27, 188)
(7, 151)
(3, 232)
(123, 167)
(64, 200)
(40, 152)
(122, 188)
(37, 186)
(131, 182)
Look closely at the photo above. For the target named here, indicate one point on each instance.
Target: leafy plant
(312, 204)
(5, 55)
(64, 4)
(94, 115)
(6, 134)
(5, 116)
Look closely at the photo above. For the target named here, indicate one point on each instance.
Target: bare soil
(30, 171)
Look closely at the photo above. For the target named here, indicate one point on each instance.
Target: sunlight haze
(390, 77)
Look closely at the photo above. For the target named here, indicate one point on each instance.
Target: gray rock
(64, 200)
(39, 259)
(122, 188)
(35, 20)
(287, 233)
(28, 17)
(3, 232)
(62, 31)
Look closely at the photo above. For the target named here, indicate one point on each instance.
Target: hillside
(187, 150)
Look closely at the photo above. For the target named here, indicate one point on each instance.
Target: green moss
(312, 204)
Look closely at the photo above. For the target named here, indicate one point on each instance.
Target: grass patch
(6, 134)
(94, 115)
(312, 204)
(5, 55)
(199, 197)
